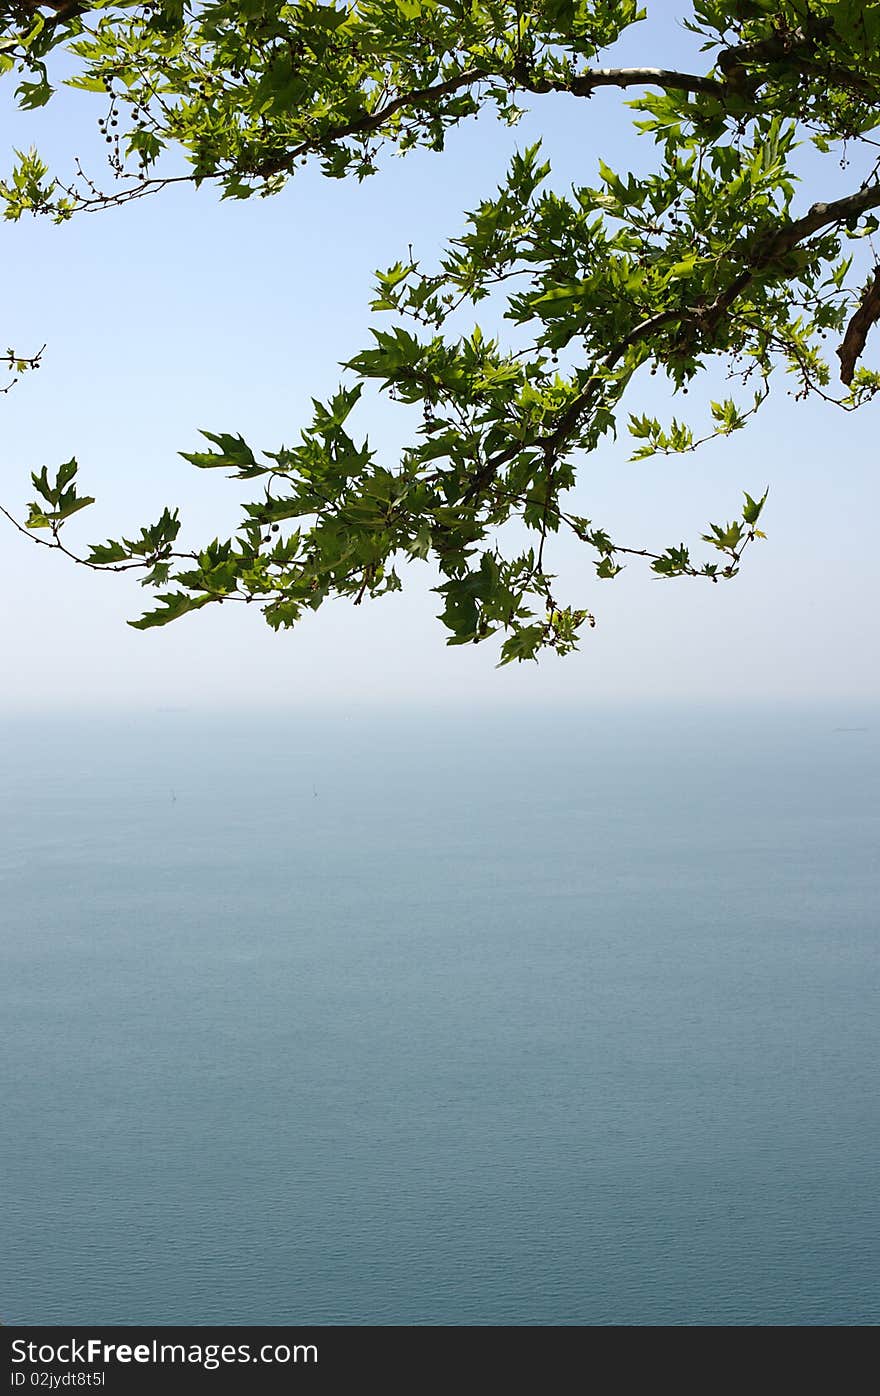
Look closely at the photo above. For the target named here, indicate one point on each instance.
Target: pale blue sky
(182, 312)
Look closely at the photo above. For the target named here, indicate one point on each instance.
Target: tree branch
(585, 84)
(372, 121)
(784, 240)
(867, 315)
(705, 319)
(795, 48)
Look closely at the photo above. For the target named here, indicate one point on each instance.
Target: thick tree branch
(585, 84)
(782, 44)
(797, 49)
(61, 10)
(867, 315)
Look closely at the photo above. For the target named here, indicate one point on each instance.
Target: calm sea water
(526, 1019)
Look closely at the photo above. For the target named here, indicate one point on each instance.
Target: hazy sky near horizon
(182, 312)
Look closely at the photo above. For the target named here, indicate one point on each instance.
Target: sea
(441, 1018)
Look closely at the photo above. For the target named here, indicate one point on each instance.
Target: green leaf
(172, 605)
(752, 508)
(523, 644)
(103, 553)
(232, 452)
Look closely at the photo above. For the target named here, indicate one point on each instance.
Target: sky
(182, 312)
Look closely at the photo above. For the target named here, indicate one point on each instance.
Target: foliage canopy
(714, 255)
